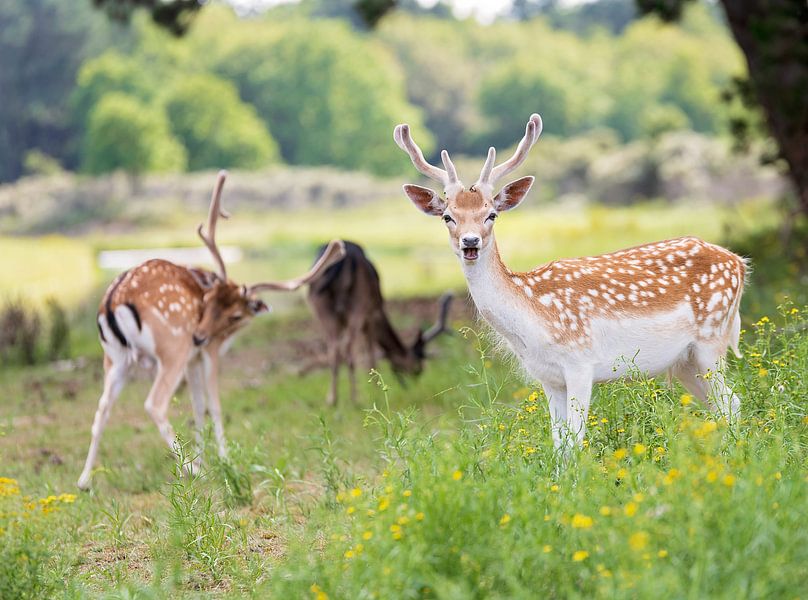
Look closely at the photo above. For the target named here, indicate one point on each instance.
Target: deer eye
(491, 217)
(448, 219)
(235, 318)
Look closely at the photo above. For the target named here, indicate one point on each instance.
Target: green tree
(329, 95)
(42, 44)
(123, 133)
(217, 129)
(109, 72)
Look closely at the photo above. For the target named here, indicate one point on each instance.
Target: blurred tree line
(309, 84)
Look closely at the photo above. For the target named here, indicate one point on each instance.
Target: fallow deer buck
(178, 320)
(669, 306)
(347, 300)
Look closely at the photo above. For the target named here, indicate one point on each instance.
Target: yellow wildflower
(630, 509)
(547, 548)
(403, 520)
(533, 397)
(662, 553)
(384, 503)
(622, 473)
(356, 492)
(350, 510)
(318, 592)
(367, 535)
(506, 518)
(638, 541)
(620, 453)
(580, 521)
(457, 475)
(554, 488)
(639, 449)
(407, 493)
(605, 511)
(531, 408)
(763, 372)
(580, 555)
(729, 480)
(349, 554)
(685, 399)
(712, 476)
(419, 516)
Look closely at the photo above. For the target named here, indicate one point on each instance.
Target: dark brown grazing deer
(347, 299)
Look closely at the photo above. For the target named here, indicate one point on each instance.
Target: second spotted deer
(177, 321)
(669, 306)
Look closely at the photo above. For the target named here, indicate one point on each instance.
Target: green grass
(458, 494)
(446, 488)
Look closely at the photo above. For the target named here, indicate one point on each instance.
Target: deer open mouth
(471, 253)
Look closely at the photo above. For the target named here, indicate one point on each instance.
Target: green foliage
(336, 105)
(42, 45)
(124, 133)
(111, 72)
(663, 500)
(217, 129)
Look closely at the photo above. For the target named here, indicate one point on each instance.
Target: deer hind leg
(702, 373)
(165, 384)
(115, 375)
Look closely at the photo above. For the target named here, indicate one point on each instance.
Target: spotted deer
(347, 300)
(669, 306)
(178, 320)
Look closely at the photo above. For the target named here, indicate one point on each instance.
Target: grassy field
(439, 487)
(445, 488)
(410, 249)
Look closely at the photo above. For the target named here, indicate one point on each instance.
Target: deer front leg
(195, 375)
(169, 375)
(579, 395)
(214, 404)
(557, 401)
(333, 360)
(114, 380)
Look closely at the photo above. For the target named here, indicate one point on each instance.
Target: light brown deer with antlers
(347, 299)
(178, 320)
(669, 306)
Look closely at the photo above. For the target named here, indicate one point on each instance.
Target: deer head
(469, 214)
(228, 306)
(411, 362)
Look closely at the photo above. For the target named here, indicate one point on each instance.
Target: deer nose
(198, 341)
(470, 241)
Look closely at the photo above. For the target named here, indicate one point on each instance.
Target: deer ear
(512, 194)
(425, 199)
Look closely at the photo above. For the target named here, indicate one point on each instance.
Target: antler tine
(334, 252)
(402, 137)
(489, 176)
(439, 327)
(214, 212)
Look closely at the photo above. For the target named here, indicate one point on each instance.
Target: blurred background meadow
(115, 116)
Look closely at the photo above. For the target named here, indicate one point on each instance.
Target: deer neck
(387, 338)
(501, 302)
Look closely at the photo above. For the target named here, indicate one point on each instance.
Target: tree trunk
(773, 35)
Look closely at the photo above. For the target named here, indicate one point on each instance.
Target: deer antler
(490, 174)
(448, 177)
(214, 213)
(439, 327)
(333, 253)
